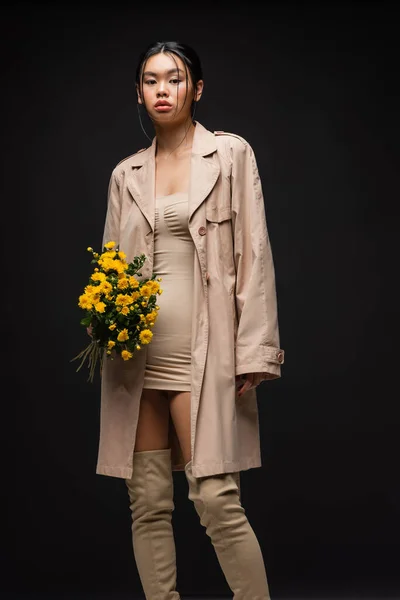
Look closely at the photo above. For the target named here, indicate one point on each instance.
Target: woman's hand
(248, 380)
(89, 330)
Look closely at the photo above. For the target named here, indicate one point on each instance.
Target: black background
(312, 87)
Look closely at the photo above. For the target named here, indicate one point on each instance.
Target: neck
(175, 139)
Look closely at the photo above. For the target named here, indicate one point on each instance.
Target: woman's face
(163, 98)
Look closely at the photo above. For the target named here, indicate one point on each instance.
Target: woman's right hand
(89, 330)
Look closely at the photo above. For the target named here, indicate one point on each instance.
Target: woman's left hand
(249, 382)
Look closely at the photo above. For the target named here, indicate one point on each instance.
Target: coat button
(202, 230)
(279, 357)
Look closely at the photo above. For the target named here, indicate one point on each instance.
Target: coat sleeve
(111, 230)
(257, 343)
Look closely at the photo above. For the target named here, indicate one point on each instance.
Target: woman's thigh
(153, 424)
(179, 406)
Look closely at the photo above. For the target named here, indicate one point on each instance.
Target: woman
(192, 202)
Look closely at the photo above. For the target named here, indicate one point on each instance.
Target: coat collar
(204, 173)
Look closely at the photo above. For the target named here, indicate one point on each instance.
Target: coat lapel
(203, 176)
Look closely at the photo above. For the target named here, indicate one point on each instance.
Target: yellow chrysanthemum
(145, 336)
(123, 283)
(104, 287)
(98, 276)
(145, 290)
(112, 327)
(122, 255)
(85, 302)
(153, 286)
(125, 310)
(135, 296)
(109, 245)
(123, 335)
(90, 249)
(123, 300)
(133, 282)
(152, 316)
(126, 355)
(100, 307)
(95, 298)
(110, 344)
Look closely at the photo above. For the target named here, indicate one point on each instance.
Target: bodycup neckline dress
(168, 363)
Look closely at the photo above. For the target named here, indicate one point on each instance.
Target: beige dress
(169, 352)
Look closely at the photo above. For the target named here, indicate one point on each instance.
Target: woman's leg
(217, 501)
(151, 499)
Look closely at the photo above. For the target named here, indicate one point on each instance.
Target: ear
(139, 99)
(199, 90)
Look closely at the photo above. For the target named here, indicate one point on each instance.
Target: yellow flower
(122, 255)
(123, 283)
(123, 300)
(137, 347)
(112, 327)
(133, 282)
(123, 336)
(152, 316)
(110, 344)
(135, 296)
(145, 336)
(100, 307)
(85, 302)
(98, 276)
(125, 310)
(153, 286)
(95, 298)
(146, 290)
(90, 249)
(109, 245)
(109, 254)
(90, 289)
(104, 288)
(126, 355)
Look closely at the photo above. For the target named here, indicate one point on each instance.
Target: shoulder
(230, 137)
(236, 144)
(126, 163)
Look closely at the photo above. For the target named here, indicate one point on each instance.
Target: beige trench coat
(234, 313)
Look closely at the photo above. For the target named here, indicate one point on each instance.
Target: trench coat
(234, 312)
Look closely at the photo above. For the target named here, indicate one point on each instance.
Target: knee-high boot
(151, 502)
(217, 502)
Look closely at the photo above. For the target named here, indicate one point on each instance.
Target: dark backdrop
(312, 88)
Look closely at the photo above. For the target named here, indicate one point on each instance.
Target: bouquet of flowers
(120, 310)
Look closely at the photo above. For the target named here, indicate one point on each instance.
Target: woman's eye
(151, 81)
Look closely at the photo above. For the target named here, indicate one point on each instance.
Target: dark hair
(189, 57)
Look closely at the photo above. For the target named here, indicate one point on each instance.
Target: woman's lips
(163, 108)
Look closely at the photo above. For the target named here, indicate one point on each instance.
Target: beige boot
(151, 502)
(216, 499)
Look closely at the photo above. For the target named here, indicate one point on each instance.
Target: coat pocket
(217, 214)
